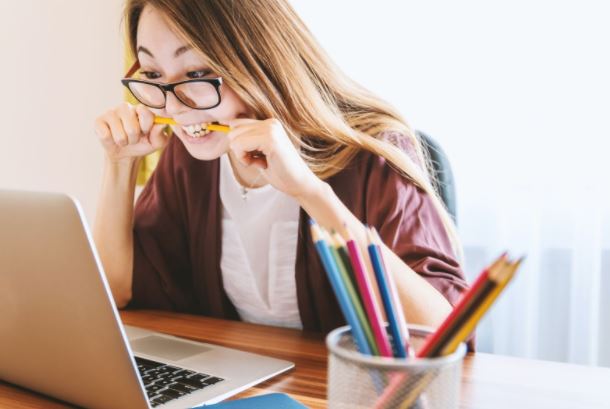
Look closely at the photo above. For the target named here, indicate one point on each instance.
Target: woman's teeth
(196, 131)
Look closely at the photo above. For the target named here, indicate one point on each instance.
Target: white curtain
(558, 306)
(518, 94)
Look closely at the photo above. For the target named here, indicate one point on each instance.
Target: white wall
(61, 65)
(522, 76)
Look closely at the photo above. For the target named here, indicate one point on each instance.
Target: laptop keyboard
(166, 382)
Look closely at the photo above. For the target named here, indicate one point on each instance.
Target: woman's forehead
(158, 36)
(159, 39)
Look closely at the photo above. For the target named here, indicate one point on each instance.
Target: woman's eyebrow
(145, 50)
(177, 53)
(182, 50)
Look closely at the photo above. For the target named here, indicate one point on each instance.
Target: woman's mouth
(196, 130)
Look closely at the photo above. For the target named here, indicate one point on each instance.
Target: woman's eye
(198, 74)
(150, 75)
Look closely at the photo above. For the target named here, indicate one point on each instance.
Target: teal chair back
(443, 175)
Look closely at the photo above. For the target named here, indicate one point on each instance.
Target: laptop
(61, 335)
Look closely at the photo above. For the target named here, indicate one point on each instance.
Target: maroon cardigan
(177, 237)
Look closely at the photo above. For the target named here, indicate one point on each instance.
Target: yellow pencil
(218, 127)
(504, 277)
(210, 127)
(164, 121)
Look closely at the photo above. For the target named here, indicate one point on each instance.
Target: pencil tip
(517, 263)
(338, 239)
(369, 235)
(316, 233)
(376, 236)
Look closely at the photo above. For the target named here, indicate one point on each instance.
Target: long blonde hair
(266, 54)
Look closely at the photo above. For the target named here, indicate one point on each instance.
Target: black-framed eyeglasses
(200, 93)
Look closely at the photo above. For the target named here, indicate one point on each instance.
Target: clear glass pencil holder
(356, 380)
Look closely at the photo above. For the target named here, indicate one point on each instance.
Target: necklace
(245, 190)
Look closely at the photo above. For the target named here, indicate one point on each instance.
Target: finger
(252, 158)
(268, 128)
(146, 118)
(249, 159)
(131, 125)
(239, 122)
(241, 126)
(158, 137)
(249, 140)
(116, 127)
(242, 129)
(103, 133)
(251, 144)
(257, 161)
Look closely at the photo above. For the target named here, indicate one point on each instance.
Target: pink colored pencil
(370, 302)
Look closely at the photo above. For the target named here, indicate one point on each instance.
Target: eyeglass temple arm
(133, 69)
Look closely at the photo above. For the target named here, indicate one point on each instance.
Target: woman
(221, 227)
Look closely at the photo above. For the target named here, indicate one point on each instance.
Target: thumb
(159, 136)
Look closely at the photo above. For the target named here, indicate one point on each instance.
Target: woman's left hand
(282, 166)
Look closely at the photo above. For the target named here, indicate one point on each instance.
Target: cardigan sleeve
(161, 270)
(410, 225)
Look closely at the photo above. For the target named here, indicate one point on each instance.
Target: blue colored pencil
(340, 292)
(393, 315)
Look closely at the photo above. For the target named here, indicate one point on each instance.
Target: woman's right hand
(127, 132)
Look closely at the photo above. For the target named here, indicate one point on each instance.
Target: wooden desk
(489, 381)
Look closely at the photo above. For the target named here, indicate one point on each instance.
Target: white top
(259, 244)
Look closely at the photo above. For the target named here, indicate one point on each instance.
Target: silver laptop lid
(59, 331)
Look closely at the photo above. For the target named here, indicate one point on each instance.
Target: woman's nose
(173, 106)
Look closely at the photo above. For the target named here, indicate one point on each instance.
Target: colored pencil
(499, 273)
(491, 282)
(371, 305)
(344, 275)
(343, 298)
(433, 341)
(393, 312)
(502, 278)
(341, 247)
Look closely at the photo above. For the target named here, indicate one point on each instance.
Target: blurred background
(517, 93)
